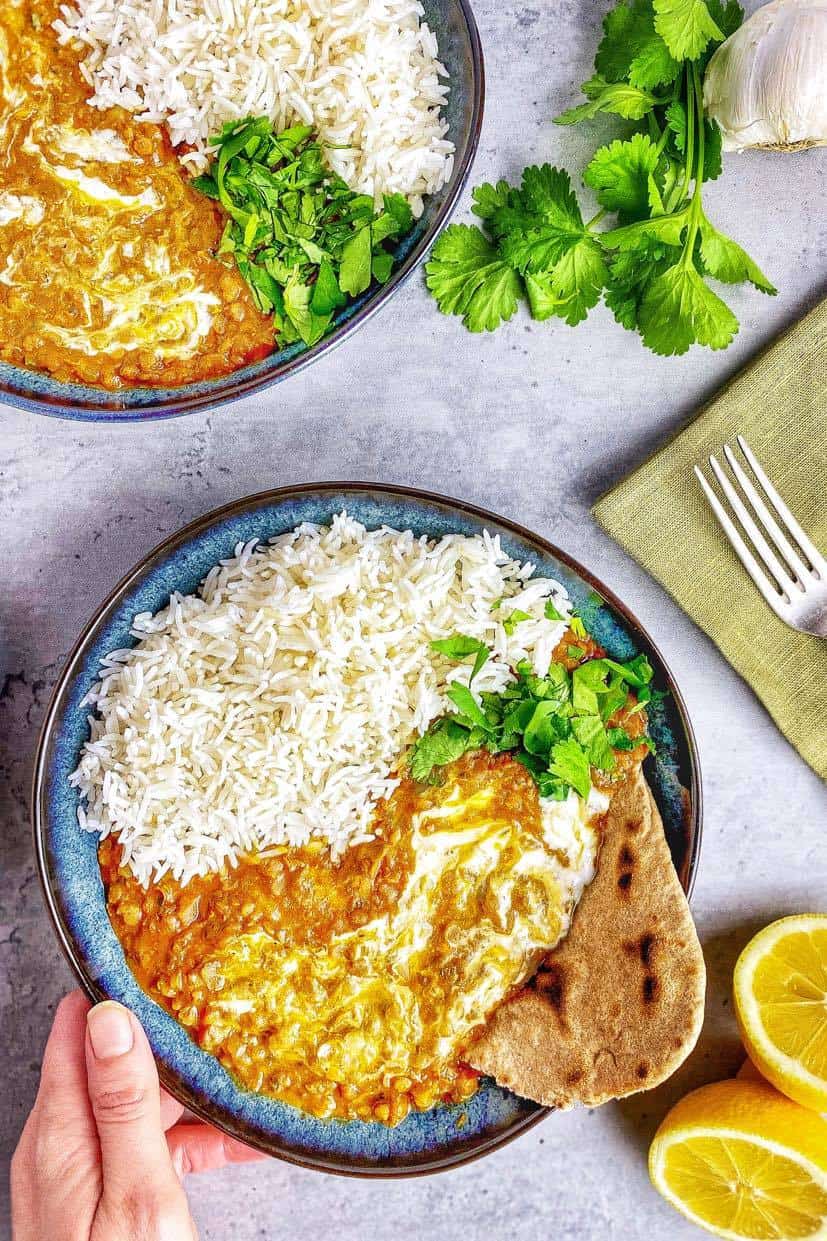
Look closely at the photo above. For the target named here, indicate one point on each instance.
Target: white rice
(364, 73)
(273, 706)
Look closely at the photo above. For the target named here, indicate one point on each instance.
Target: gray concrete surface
(534, 422)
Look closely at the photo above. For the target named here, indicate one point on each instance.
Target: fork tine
(766, 518)
(807, 546)
(782, 577)
(740, 548)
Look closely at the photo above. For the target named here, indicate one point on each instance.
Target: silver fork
(795, 584)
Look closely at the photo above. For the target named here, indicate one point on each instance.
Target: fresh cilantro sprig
(653, 265)
(304, 242)
(558, 726)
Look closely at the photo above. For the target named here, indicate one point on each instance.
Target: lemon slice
(741, 1160)
(781, 1005)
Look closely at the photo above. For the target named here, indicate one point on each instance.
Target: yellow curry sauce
(352, 988)
(107, 274)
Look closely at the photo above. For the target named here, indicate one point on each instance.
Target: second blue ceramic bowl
(460, 51)
(67, 856)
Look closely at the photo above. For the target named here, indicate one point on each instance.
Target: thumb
(126, 1103)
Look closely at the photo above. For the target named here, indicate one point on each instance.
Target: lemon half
(781, 1004)
(741, 1160)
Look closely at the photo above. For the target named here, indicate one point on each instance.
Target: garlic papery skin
(766, 86)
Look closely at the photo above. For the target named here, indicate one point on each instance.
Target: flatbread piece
(618, 1005)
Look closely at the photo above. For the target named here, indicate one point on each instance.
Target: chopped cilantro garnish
(304, 242)
(469, 711)
(513, 619)
(555, 725)
(460, 646)
(570, 763)
(445, 741)
(619, 739)
(577, 627)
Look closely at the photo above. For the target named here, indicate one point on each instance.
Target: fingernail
(110, 1030)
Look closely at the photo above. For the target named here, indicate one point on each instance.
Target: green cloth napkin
(660, 516)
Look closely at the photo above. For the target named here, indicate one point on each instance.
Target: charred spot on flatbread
(618, 1005)
(650, 989)
(626, 861)
(550, 982)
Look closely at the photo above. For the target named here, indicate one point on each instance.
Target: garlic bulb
(766, 86)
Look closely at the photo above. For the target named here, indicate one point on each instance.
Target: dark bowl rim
(179, 1090)
(171, 405)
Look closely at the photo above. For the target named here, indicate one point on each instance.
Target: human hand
(102, 1154)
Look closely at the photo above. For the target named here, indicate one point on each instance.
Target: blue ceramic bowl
(67, 856)
(460, 51)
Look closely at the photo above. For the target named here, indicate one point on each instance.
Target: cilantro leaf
(554, 686)
(619, 739)
(619, 174)
(724, 259)
(515, 618)
(542, 729)
(543, 302)
(675, 116)
(519, 717)
(309, 327)
(551, 612)
(354, 274)
(537, 246)
(459, 646)
(544, 238)
(578, 279)
(637, 671)
(727, 17)
(686, 26)
(588, 680)
(327, 296)
(489, 199)
(619, 98)
(545, 224)
(547, 191)
(398, 209)
(480, 661)
(622, 29)
(591, 733)
(615, 697)
(467, 705)
(632, 49)
(653, 65)
(666, 229)
(678, 309)
(467, 277)
(381, 267)
(444, 742)
(627, 280)
(570, 763)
